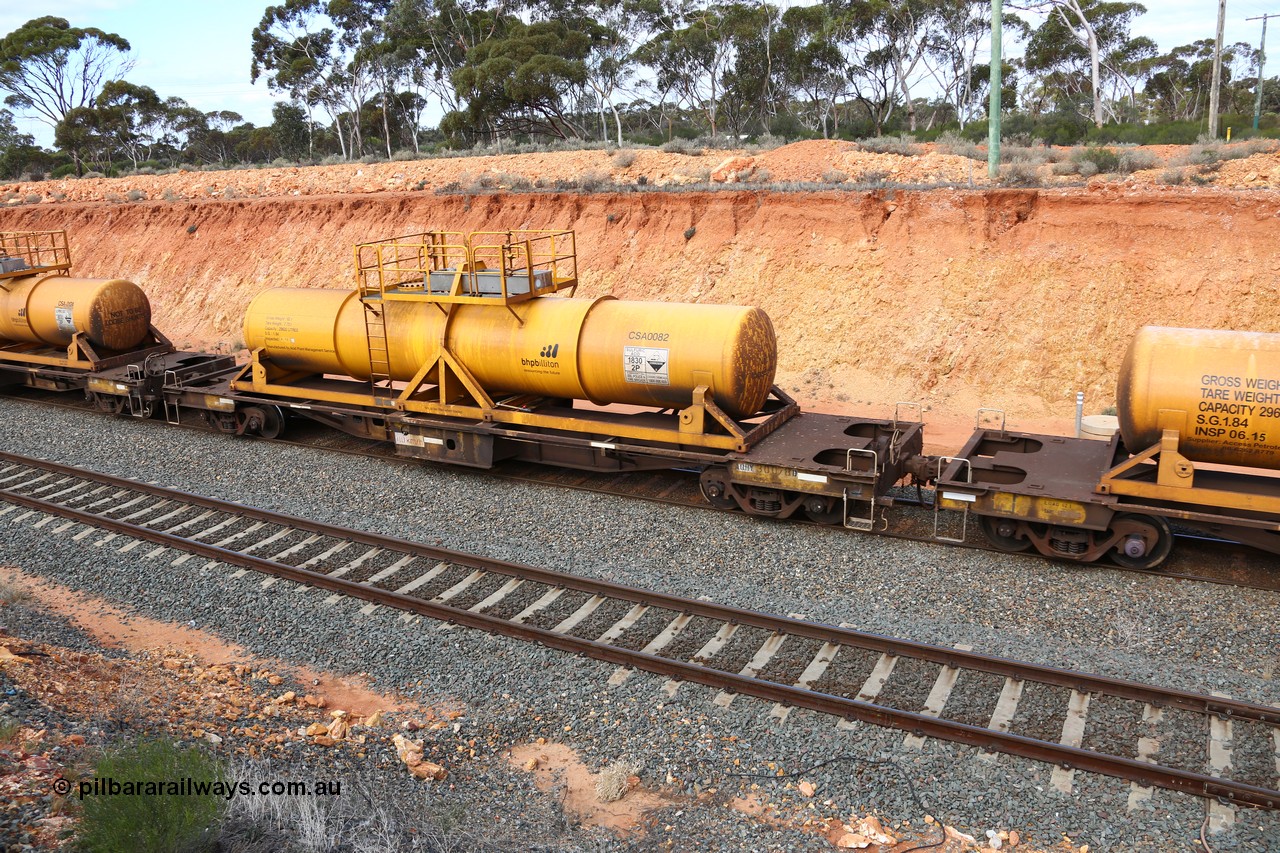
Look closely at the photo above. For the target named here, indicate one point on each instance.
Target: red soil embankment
(1013, 299)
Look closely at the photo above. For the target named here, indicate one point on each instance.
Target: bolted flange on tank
(603, 350)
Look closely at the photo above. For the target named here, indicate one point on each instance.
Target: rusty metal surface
(1033, 464)
(1173, 778)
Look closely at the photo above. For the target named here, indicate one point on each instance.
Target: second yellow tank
(603, 350)
(1219, 389)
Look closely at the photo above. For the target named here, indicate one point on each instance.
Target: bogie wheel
(824, 510)
(1003, 534)
(266, 421)
(1145, 541)
(715, 488)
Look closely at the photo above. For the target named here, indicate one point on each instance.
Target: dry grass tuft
(613, 783)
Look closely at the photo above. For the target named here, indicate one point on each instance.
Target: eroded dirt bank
(1012, 299)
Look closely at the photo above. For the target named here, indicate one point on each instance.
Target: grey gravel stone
(1192, 636)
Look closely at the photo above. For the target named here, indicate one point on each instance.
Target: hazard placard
(646, 365)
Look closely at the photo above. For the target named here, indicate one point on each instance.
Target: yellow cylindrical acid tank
(1219, 389)
(113, 314)
(603, 350)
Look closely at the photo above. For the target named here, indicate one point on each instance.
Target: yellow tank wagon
(483, 327)
(48, 317)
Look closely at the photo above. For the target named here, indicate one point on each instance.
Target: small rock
(323, 740)
(316, 729)
(807, 789)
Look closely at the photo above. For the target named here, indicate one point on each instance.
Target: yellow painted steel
(603, 350)
(1220, 390)
(113, 314)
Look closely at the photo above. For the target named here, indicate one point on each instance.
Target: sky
(201, 51)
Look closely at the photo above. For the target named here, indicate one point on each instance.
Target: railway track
(790, 662)
(1197, 557)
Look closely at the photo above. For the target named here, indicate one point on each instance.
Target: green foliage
(517, 82)
(161, 823)
(1103, 160)
(51, 67)
(902, 145)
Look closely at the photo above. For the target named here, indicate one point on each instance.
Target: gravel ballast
(1192, 636)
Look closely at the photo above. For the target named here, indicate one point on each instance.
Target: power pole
(993, 109)
(1262, 58)
(1217, 70)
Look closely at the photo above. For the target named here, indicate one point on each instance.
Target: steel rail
(942, 655)
(1184, 781)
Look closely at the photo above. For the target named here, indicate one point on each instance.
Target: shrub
(145, 170)
(952, 143)
(1136, 160)
(33, 198)
(1103, 159)
(64, 170)
(164, 822)
(113, 198)
(624, 159)
(135, 195)
(902, 145)
(12, 593)
(403, 154)
(1087, 169)
(595, 180)
(1020, 175)
(681, 146)
(642, 180)
(834, 176)
(513, 182)
(170, 195)
(93, 175)
(1066, 167)
(1034, 155)
(9, 729)
(613, 781)
(762, 176)
(332, 160)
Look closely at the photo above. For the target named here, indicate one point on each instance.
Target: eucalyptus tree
(51, 67)
(808, 50)
(309, 49)
(1076, 35)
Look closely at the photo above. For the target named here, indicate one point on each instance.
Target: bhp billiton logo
(546, 357)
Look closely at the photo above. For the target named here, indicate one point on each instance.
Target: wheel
(824, 510)
(266, 421)
(1145, 541)
(715, 488)
(1003, 534)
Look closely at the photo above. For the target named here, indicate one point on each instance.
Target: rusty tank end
(1219, 389)
(113, 314)
(603, 350)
